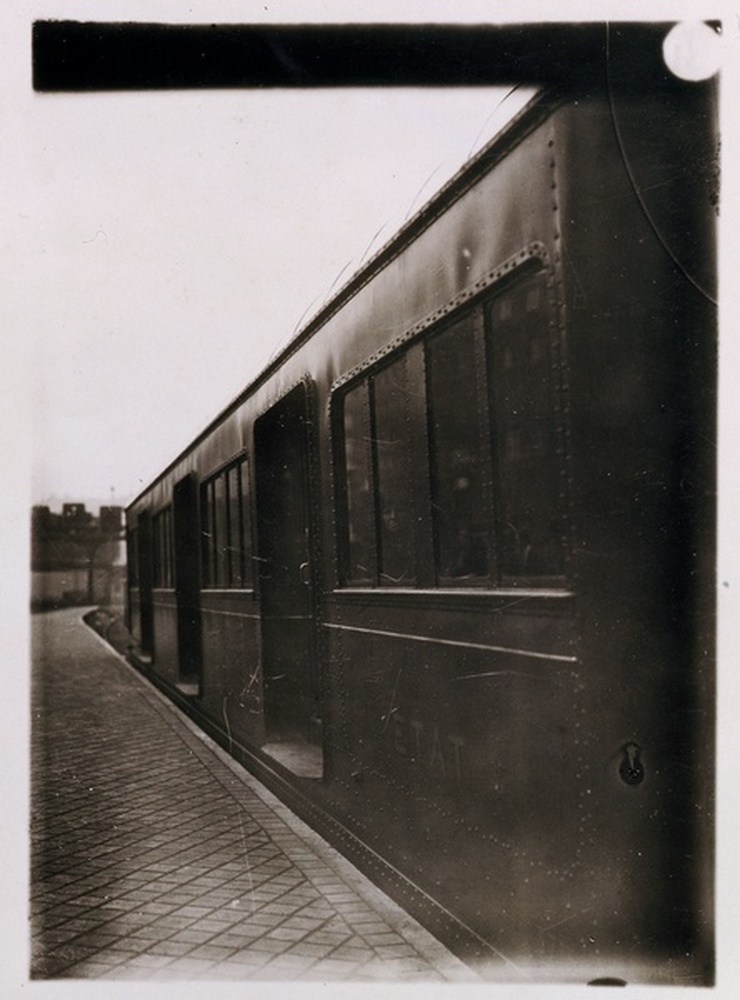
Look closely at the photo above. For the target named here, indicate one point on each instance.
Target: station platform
(155, 856)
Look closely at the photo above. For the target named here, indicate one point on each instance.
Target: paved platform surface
(154, 856)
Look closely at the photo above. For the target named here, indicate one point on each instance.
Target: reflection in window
(220, 532)
(393, 463)
(236, 535)
(358, 485)
(489, 487)
(207, 533)
(163, 564)
(132, 556)
(459, 515)
(522, 380)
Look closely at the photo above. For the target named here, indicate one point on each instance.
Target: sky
(171, 242)
(183, 237)
(177, 240)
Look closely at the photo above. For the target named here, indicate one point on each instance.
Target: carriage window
(225, 529)
(488, 491)
(393, 463)
(207, 536)
(522, 380)
(239, 535)
(459, 508)
(163, 564)
(234, 555)
(221, 532)
(358, 485)
(132, 556)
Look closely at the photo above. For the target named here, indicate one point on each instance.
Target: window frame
(428, 574)
(233, 569)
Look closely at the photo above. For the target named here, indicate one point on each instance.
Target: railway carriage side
(450, 629)
(430, 574)
(638, 248)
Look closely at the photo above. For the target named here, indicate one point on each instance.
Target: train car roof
(461, 180)
(574, 60)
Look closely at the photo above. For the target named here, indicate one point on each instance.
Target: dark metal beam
(77, 56)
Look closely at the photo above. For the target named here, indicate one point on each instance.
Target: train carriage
(442, 575)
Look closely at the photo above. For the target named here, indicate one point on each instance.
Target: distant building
(75, 512)
(77, 558)
(111, 520)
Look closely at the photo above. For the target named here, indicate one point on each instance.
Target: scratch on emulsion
(558, 923)
(242, 834)
(392, 707)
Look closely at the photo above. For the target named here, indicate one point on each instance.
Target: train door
(187, 584)
(292, 690)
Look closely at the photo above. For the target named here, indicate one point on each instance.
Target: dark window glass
(206, 520)
(162, 529)
(226, 535)
(358, 486)
(459, 509)
(132, 557)
(245, 537)
(235, 548)
(221, 533)
(492, 478)
(158, 551)
(528, 461)
(393, 483)
(169, 550)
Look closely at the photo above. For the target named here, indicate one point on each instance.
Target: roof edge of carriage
(536, 110)
(629, 75)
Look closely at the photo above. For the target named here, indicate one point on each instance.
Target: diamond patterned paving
(154, 857)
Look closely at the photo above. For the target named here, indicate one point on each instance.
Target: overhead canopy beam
(82, 56)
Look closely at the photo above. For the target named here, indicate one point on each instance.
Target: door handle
(303, 573)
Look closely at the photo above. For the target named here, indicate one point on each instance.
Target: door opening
(292, 687)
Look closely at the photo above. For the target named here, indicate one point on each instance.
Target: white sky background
(182, 236)
(178, 239)
(157, 248)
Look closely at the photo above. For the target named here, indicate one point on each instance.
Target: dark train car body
(443, 575)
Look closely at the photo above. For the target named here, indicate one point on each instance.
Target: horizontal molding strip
(530, 653)
(229, 614)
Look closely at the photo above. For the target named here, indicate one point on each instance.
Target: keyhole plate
(631, 769)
